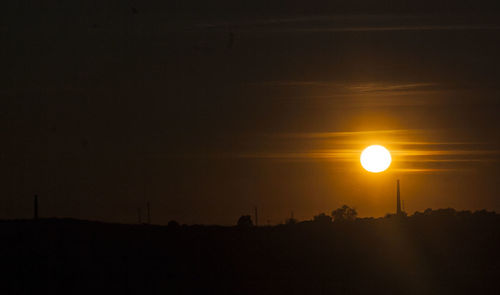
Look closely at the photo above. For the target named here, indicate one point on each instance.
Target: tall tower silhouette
(398, 201)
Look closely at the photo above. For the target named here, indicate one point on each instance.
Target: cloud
(389, 87)
(402, 156)
(366, 94)
(342, 133)
(400, 28)
(430, 170)
(356, 23)
(413, 150)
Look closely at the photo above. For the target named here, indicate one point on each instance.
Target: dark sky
(208, 108)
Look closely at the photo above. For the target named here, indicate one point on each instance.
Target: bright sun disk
(375, 158)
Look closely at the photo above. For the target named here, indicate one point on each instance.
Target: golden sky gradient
(207, 109)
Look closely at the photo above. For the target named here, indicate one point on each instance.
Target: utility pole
(149, 213)
(35, 207)
(139, 215)
(256, 217)
(398, 201)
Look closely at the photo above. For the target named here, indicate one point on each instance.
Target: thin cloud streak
(416, 153)
(430, 170)
(402, 138)
(397, 28)
(385, 87)
(359, 23)
(366, 94)
(346, 133)
(413, 150)
(401, 156)
(356, 87)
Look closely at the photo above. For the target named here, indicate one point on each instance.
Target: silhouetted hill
(435, 252)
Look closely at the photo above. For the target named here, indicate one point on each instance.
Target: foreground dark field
(433, 254)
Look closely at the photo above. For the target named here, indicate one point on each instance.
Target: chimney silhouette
(35, 207)
(398, 201)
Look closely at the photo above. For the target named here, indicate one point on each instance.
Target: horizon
(207, 110)
(290, 220)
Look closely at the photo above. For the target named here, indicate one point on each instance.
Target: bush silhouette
(322, 218)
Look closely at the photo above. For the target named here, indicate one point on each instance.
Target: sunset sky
(209, 108)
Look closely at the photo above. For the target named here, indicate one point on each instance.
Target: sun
(375, 158)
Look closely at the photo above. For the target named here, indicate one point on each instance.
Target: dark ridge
(434, 252)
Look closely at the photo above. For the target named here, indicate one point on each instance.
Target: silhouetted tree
(484, 213)
(173, 224)
(445, 212)
(245, 221)
(291, 221)
(394, 215)
(344, 213)
(418, 214)
(322, 218)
